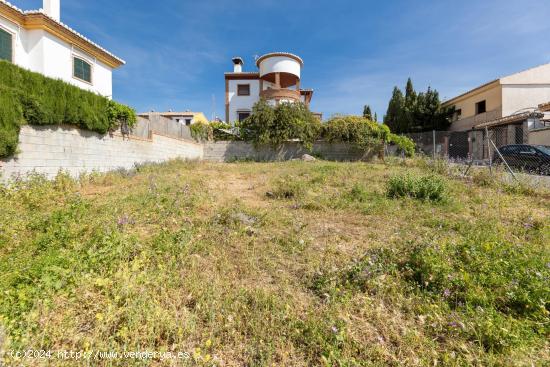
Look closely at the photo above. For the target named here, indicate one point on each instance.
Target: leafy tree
(273, 126)
(367, 113)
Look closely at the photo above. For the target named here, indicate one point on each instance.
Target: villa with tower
(277, 80)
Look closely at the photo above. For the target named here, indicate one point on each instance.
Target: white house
(502, 99)
(277, 80)
(37, 40)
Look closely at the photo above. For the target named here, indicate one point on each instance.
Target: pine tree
(375, 117)
(395, 111)
(367, 113)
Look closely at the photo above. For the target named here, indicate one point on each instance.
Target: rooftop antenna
(213, 107)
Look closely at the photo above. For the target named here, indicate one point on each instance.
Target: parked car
(528, 158)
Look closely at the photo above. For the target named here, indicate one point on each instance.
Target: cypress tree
(367, 113)
(395, 111)
(407, 121)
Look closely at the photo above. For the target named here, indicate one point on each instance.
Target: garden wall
(47, 149)
(224, 151)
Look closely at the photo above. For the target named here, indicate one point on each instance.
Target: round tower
(280, 77)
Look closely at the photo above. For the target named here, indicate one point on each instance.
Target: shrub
(430, 188)
(119, 112)
(201, 131)
(403, 143)
(275, 125)
(364, 134)
(219, 134)
(356, 130)
(31, 98)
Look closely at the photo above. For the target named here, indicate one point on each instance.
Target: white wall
(20, 56)
(239, 103)
(280, 64)
(182, 119)
(47, 149)
(517, 97)
(39, 51)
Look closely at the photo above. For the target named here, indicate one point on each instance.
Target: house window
(187, 122)
(481, 107)
(243, 89)
(6, 47)
(243, 115)
(82, 70)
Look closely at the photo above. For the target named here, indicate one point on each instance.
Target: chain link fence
(504, 149)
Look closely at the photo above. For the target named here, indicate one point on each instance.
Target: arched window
(6, 45)
(82, 70)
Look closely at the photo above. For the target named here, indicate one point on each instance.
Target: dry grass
(212, 260)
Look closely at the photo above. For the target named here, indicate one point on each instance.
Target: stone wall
(46, 150)
(224, 151)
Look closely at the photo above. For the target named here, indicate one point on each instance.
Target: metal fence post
(489, 150)
(504, 160)
(433, 143)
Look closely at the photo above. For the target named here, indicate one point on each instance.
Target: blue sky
(355, 52)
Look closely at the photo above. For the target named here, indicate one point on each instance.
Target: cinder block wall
(49, 149)
(46, 150)
(224, 151)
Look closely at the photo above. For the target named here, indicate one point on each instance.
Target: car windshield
(544, 148)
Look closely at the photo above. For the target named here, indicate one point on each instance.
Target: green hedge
(364, 134)
(31, 98)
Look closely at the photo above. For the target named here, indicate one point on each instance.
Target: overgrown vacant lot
(277, 264)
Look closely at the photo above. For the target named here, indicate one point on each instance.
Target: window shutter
(5, 45)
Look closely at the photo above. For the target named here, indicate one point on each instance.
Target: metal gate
(459, 146)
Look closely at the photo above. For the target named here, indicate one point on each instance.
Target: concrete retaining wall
(224, 151)
(46, 150)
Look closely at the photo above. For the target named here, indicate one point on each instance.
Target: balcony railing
(280, 94)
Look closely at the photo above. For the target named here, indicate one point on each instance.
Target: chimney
(238, 65)
(52, 8)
